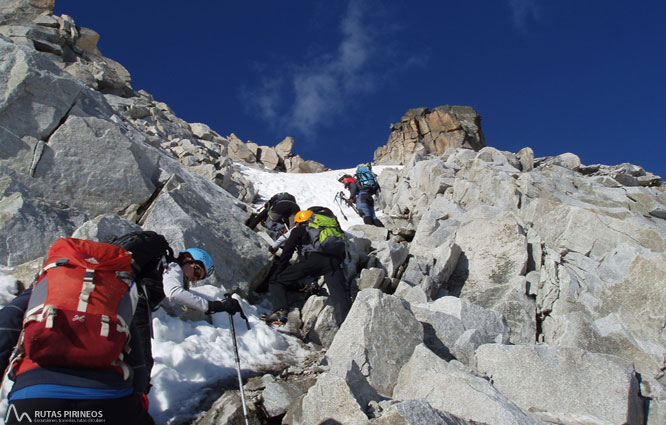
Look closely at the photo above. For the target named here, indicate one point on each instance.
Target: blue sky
(581, 76)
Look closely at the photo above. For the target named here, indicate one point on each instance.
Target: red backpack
(80, 309)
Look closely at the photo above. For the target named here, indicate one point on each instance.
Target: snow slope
(309, 189)
(192, 358)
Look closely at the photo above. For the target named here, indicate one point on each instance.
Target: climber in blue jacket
(362, 196)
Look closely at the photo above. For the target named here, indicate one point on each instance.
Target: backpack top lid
(147, 249)
(89, 254)
(81, 270)
(322, 210)
(282, 196)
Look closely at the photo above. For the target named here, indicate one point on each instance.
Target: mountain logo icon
(19, 418)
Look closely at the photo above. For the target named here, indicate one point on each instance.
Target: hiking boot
(310, 287)
(306, 286)
(278, 317)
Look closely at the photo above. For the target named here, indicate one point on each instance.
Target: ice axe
(341, 197)
(238, 368)
(337, 201)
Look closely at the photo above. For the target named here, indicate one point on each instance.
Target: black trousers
(144, 332)
(313, 265)
(121, 411)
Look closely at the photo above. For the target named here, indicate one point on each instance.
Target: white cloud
(309, 94)
(266, 99)
(523, 10)
(356, 42)
(316, 96)
(321, 87)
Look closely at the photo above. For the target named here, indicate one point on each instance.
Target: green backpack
(326, 235)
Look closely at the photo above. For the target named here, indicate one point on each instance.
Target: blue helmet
(203, 257)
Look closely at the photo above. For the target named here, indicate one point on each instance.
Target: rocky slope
(506, 289)
(499, 296)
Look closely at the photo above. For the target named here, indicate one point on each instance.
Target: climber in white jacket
(194, 264)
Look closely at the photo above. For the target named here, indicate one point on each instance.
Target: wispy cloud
(320, 88)
(267, 99)
(522, 11)
(310, 95)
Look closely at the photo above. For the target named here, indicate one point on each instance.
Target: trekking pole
(238, 367)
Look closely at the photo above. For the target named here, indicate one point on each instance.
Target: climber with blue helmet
(191, 265)
(200, 258)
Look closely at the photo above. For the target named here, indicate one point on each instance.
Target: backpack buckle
(104, 331)
(50, 312)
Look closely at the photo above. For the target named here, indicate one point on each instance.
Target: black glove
(230, 305)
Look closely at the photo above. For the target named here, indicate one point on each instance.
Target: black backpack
(322, 210)
(150, 255)
(257, 217)
(282, 196)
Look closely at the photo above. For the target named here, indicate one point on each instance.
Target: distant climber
(321, 247)
(277, 215)
(361, 188)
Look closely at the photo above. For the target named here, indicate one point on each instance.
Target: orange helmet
(303, 216)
